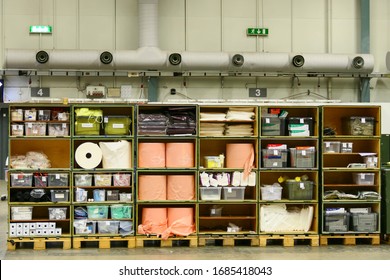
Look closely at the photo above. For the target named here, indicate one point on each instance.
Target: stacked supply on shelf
(39, 122)
(157, 187)
(356, 219)
(32, 160)
(152, 124)
(231, 185)
(112, 155)
(166, 222)
(210, 122)
(92, 121)
(276, 156)
(283, 218)
(166, 155)
(181, 121)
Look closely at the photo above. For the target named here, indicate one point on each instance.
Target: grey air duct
(148, 56)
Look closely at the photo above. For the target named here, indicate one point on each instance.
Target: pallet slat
(228, 240)
(143, 241)
(103, 242)
(289, 240)
(38, 243)
(350, 239)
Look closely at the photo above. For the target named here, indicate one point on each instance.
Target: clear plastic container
(331, 147)
(271, 192)
(112, 195)
(17, 130)
(120, 211)
(364, 178)
(41, 180)
(57, 213)
(59, 195)
(30, 115)
(99, 195)
(21, 179)
(122, 180)
(102, 180)
(58, 180)
(97, 211)
(44, 115)
(299, 190)
(21, 213)
(83, 180)
(125, 197)
(58, 129)
(233, 193)
(358, 125)
(108, 227)
(17, 115)
(210, 193)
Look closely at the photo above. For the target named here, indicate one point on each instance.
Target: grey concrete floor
(271, 252)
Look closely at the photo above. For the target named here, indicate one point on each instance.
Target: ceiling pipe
(148, 57)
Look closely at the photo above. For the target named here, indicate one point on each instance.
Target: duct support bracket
(153, 89)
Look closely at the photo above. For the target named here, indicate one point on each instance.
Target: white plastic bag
(116, 155)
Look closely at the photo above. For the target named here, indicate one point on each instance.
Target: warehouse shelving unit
(228, 212)
(103, 195)
(351, 166)
(296, 171)
(39, 205)
(166, 174)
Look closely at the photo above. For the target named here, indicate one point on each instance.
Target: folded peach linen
(179, 155)
(180, 187)
(152, 187)
(154, 221)
(180, 222)
(240, 155)
(151, 155)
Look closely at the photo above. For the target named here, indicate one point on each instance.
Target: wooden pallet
(156, 241)
(351, 239)
(38, 243)
(104, 242)
(289, 240)
(385, 239)
(228, 240)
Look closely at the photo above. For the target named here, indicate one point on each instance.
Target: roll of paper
(151, 155)
(240, 155)
(152, 187)
(180, 222)
(180, 155)
(180, 187)
(154, 221)
(88, 155)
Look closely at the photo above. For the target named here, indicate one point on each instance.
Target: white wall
(306, 26)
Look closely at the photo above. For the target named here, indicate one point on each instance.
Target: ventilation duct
(149, 57)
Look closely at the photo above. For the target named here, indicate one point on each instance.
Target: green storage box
(120, 211)
(298, 190)
(97, 212)
(87, 126)
(117, 125)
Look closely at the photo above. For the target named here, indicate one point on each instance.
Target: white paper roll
(88, 155)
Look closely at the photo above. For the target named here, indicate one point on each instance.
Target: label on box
(118, 125)
(230, 190)
(57, 176)
(29, 125)
(267, 120)
(213, 212)
(59, 195)
(301, 120)
(362, 176)
(363, 120)
(302, 186)
(87, 125)
(64, 125)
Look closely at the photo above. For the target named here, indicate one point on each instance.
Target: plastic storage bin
(117, 125)
(17, 130)
(81, 195)
(214, 161)
(57, 213)
(363, 126)
(122, 180)
(30, 114)
(210, 193)
(21, 179)
(108, 227)
(35, 128)
(44, 115)
(99, 195)
(21, 213)
(275, 158)
(271, 192)
(120, 211)
(87, 126)
(299, 190)
(84, 226)
(337, 222)
(41, 180)
(58, 129)
(364, 178)
(364, 222)
(59, 195)
(233, 193)
(58, 180)
(125, 197)
(216, 211)
(272, 125)
(17, 115)
(112, 195)
(97, 211)
(83, 180)
(302, 157)
(300, 126)
(331, 147)
(126, 227)
(346, 147)
(102, 180)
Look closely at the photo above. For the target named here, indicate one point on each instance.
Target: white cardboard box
(58, 231)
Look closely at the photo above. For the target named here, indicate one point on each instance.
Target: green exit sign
(40, 29)
(253, 31)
